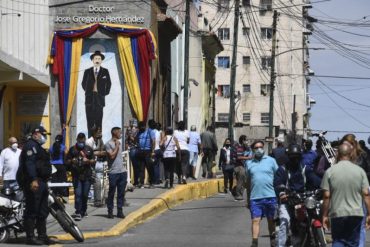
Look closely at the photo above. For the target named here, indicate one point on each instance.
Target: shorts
(193, 158)
(265, 207)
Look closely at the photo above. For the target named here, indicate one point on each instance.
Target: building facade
(252, 88)
(30, 91)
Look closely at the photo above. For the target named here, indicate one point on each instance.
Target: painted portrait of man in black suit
(96, 83)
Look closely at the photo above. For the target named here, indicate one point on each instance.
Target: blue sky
(327, 115)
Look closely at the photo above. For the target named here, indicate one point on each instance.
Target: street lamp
(272, 87)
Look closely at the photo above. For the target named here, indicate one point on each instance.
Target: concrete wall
(24, 36)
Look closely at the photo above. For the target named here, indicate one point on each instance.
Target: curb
(157, 206)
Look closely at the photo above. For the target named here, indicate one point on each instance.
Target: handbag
(163, 148)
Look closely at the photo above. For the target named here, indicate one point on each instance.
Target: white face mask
(42, 140)
(14, 146)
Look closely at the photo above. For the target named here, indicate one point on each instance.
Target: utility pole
(272, 82)
(233, 71)
(294, 121)
(186, 63)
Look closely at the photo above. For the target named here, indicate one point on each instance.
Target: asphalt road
(218, 222)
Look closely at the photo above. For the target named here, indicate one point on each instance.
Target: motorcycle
(12, 206)
(307, 223)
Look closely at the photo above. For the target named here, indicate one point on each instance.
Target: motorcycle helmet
(294, 150)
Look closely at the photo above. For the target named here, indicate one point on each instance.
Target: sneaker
(77, 217)
(194, 178)
(85, 215)
(238, 198)
(184, 180)
(140, 186)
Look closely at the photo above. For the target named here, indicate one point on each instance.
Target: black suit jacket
(103, 85)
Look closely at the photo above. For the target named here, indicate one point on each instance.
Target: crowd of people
(162, 154)
(153, 152)
(266, 178)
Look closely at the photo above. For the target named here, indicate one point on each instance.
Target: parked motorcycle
(307, 218)
(12, 206)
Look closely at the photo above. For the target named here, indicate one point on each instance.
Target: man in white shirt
(97, 144)
(9, 162)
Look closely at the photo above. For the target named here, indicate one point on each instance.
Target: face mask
(42, 140)
(14, 146)
(227, 145)
(259, 152)
(80, 145)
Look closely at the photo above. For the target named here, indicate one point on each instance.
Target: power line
(341, 95)
(332, 76)
(342, 109)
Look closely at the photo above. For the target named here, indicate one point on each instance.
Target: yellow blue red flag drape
(136, 47)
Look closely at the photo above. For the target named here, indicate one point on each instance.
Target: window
(224, 33)
(246, 117)
(265, 5)
(223, 117)
(265, 89)
(265, 117)
(246, 3)
(246, 31)
(246, 60)
(224, 62)
(266, 62)
(223, 5)
(246, 88)
(266, 33)
(223, 91)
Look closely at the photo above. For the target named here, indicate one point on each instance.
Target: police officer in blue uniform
(33, 173)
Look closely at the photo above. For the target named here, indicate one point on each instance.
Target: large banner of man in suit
(100, 87)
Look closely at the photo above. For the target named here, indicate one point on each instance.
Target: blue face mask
(259, 152)
(80, 145)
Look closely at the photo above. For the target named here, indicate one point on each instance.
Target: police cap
(41, 130)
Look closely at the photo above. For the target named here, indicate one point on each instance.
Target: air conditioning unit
(263, 8)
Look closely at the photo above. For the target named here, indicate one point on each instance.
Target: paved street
(217, 222)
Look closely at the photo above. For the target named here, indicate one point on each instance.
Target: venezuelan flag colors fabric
(136, 47)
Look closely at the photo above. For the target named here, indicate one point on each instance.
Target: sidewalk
(143, 204)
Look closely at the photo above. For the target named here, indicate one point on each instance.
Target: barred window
(223, 117)
(246, 88)
(246, 117)
(265, 117)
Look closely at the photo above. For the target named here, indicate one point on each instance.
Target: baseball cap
(40, 129)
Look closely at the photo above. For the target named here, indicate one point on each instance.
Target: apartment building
(292, 101)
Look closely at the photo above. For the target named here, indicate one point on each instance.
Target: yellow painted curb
(171, 198)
